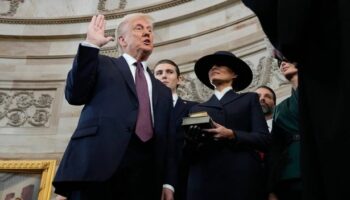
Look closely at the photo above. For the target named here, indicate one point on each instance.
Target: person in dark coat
(284, 155)
(124, 145)
(168, 72)
(228, 165)
(315, 34)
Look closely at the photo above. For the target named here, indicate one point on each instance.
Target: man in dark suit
(124, 145)
(227, 165)
(319, 43)
(168, 72)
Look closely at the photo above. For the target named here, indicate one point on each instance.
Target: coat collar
(123, 66)
(229, 97)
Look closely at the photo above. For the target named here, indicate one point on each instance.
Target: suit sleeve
(82, 77)
(258, 137)
(171, 158)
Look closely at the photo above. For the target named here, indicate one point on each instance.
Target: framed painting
(26, 179)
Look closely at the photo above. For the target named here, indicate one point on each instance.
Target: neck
(221, 86)
(269, 116)
(294, 82)
(140, 56)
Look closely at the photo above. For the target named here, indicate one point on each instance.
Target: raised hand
(96, 31)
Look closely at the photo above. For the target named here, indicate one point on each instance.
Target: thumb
(110, 38)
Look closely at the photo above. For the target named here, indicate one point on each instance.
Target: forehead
(222, 68)
(263, 91)
(141, 21)
(164, 66)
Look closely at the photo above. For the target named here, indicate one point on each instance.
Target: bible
(201, 119)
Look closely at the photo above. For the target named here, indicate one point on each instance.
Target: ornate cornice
(113, 50)
(111, 14)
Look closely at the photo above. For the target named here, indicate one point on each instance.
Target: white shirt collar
(175, 98)
(219, 94)
(131, 61)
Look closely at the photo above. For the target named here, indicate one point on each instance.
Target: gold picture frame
(34, 176)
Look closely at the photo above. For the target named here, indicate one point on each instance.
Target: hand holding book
(200, 127)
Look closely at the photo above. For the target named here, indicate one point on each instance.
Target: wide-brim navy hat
(224, 58)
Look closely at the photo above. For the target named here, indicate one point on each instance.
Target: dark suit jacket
(106, 86)
(319, 42)
(181, 110)
(231, 169)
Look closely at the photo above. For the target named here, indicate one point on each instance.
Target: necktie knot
(138, 65)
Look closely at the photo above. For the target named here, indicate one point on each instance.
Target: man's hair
(120, 30)
(170, 62)
(271, 90)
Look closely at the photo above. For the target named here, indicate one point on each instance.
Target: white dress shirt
(175, 98)
(219, 94)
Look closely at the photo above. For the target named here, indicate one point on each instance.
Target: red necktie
(144, 129)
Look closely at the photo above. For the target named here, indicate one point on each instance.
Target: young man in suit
(124, 145)
(168, 72)
(228, 166)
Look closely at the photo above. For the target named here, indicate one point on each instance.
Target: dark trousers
(134, 179)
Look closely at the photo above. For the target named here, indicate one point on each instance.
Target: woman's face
(221, 74)
(288, 69)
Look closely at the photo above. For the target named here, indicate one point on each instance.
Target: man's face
(137, 38)
(166, 73)
(219, 74)
(266, 100)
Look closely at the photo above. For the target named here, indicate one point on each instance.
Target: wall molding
(112, 14)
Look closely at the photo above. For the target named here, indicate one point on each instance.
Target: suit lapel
(212, 102)
(123, 66)
(154, 88)
(179, 107)
(229, 97)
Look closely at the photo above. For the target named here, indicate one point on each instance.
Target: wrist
(232, 135)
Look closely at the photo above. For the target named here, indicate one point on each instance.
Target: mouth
(147, 42)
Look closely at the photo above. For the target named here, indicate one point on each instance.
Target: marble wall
(38, 43)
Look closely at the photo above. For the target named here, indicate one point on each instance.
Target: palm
(96, 31)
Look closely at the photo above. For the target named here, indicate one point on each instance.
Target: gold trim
(45, 167)
(113, 14)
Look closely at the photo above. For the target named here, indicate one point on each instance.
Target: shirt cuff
(169, 187)
(88, 44)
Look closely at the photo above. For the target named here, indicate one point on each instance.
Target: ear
(180, 80)
(234, 76)
(121, 41)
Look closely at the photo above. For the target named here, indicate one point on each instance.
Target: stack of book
(201, 119)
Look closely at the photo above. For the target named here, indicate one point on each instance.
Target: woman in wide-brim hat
(242, 73)
(227, 166)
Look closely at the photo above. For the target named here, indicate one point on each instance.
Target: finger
(216, 124)
(93, 21)
(210, 130)
(99, 20)
(110, 39)
(102, 22)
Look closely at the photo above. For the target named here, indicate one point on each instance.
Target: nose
(261, 99)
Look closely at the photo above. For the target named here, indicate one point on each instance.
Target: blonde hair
(120, 30)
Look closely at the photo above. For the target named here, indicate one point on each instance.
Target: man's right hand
(96, 31)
